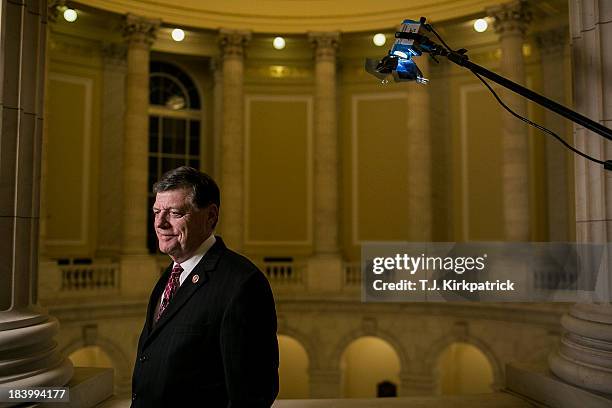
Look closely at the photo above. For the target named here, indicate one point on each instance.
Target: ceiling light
(178, 34)
(481, 25)
(379, 39)
(278, 43)
(70, 15)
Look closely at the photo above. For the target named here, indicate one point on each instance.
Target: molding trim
(87, 83)
(355, 99)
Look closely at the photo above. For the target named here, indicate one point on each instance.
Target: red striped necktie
(171, 287)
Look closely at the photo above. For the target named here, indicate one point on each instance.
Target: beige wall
(373, 134)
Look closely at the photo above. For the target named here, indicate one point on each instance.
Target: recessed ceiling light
(278, 43)
(481, 25)
(178, 34)
(70, 15)
(379, 39)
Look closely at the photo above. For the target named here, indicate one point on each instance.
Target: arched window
(174, 127)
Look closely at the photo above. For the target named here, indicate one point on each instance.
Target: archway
(293, 369)
(365, 363)
(91, 356)
(463, 368)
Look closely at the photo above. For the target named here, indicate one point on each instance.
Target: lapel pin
(195, 278)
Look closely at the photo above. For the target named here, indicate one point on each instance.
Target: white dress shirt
(197, 256)
(191, 263)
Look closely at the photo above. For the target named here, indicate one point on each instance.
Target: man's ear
(213, 215)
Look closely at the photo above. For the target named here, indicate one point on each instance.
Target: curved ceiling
(294, 16)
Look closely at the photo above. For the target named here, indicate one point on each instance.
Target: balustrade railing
(352, 274)
(283, 273)
(92, 277)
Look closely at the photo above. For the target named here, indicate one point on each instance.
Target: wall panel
(69, 124)
(379, 166)
(278, 167)
(480, 157)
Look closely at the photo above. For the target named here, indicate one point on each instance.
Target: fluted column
(139, 33)
(419, 160)
(216, 69)
(511, 21)
(111, 151)
(325, 145)
(232, 45)
(584, 357)
(325, 272)
(441, 137)
(28, 353)
(552, 44)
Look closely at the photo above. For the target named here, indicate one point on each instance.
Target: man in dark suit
(209, 339)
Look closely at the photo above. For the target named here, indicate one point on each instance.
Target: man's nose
(161, 221)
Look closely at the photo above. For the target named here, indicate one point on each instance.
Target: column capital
(233, 42)
(510, 18)
(552, 41)
(325, 43)
(53, 9)
(114, 55)
(140, 31)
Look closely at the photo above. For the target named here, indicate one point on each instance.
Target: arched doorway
(91, 356)
(463, 369)
(293, 369)
(365, 364)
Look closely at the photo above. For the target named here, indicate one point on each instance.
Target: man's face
(180, 226)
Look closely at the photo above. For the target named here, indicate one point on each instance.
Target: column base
(541, 385)
(88, 388)
(29, 354)
(584, 357)
(325, 273)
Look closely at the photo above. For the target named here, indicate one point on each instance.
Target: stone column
(325, 383)
(511, 21)
(29, 355)
(584, 357)
(325, 267)
(419, 159)
(52, 17)
(111, 150)
(552, 44)
(232, 45)
(139, 34)
(325, 144)
(441, 137)
(138, 269)
(217, 75)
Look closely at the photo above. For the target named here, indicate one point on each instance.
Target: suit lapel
(186, 290)
(155, 296)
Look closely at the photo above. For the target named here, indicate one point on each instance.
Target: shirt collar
(197, 256)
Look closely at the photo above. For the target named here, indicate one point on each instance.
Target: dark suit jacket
(215, 345)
